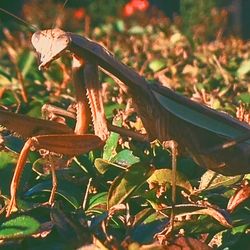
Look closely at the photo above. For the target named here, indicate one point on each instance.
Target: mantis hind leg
(172, 145)
(54, 184)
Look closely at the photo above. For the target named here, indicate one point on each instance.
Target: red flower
(79, 14)
(128, 10)
(135, 5)
(140, 5)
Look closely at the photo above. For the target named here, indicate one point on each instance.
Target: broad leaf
(66, 190)
(157, 65)
(125, 185)
(103, 165)
(18, 227)
(109, 149)
(244, 68)
(97, 201)
(211, 180)
(192, 209)
(163, 176)
(125, 158)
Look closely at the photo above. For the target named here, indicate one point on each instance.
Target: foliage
(120, 197)
(201, 19)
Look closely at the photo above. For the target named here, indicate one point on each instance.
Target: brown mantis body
(163, 122)
(165, 114)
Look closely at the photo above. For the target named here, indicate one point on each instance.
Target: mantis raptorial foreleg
(50, 111)
(69, 145)
(83, 115)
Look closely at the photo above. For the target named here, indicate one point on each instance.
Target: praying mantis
(214, 140)
(165, 114)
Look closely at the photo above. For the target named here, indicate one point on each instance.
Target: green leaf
(7, 163)
(109, 150)
(211, 180)
(13, 143)
(18, 227)
(7, 158)
(120, 26)
(103, 166)
(204, 224)
(125, 158)
(7, 166)
(35, 111)
(110, 147)
(136, 30)
(5, 78)
(244, 68)
(163, 176)
(127, 183)
(69, 227)
(157, 65)
(243, 97)
(239, 229)
(65, 189)
(110, 107)
(192, 209)
(26, 61)
(38, 167)
(97, 200)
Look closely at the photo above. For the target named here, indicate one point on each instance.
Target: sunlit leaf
(7, 158)
(244, 97)
(211, 180)
(163, 176)
(156, 65)
(109, 150)
(18, 227)
(97, 200)
(194, 209)
(26, 61)
(239, 197)
(120, 26)
(125, 158)
(136, 30)
(125, 185)
(103, 165)
(244, 68)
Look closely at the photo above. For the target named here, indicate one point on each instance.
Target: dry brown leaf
(183, 243)
(240, 196)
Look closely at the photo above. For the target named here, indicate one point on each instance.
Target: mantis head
(49, 44)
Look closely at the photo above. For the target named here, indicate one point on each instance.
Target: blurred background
(198, 48)
(202, 18)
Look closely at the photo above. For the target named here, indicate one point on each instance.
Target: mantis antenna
(30, 26)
